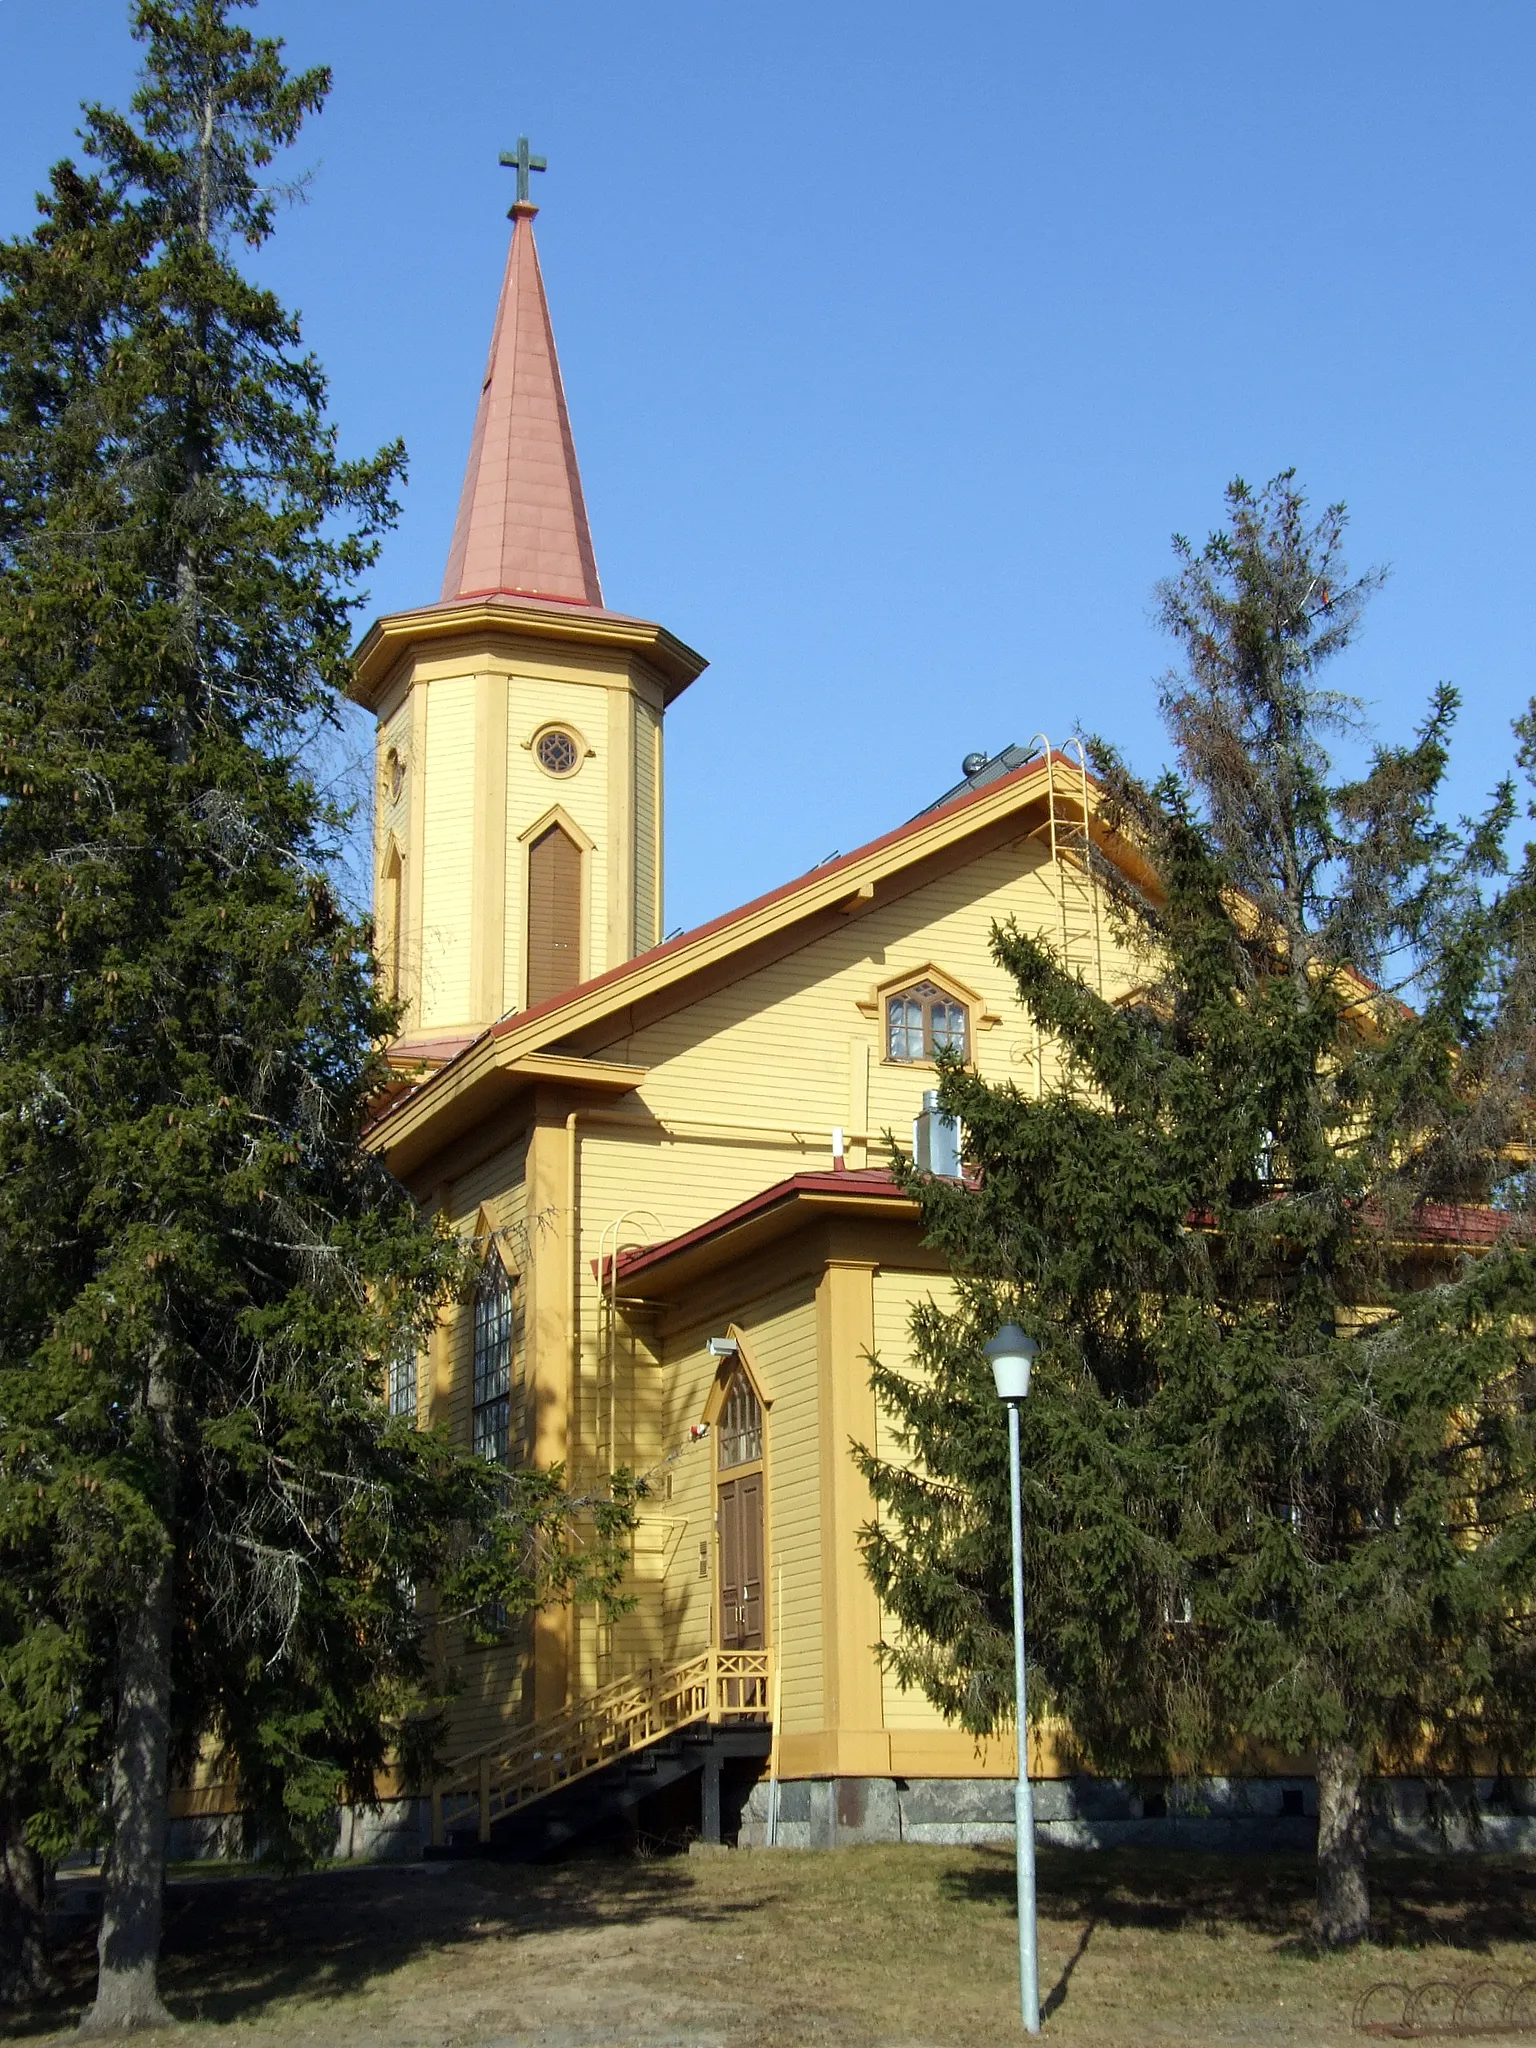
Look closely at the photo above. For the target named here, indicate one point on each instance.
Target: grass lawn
(861, 1946)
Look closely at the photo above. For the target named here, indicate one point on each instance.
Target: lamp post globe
(1012, 1352)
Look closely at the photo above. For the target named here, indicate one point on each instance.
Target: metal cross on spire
(522, 163)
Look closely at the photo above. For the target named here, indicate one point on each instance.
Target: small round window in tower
(395, 772)
(557, 752)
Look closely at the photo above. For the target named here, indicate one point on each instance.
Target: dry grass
(865, 1946)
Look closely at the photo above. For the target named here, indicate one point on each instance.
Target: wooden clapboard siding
(447, 852)
(534, 702)
(647, 774)
(674, 1617)
(742, 1089)
(394, 809)
(772, 1048)
(781, 1336)
(390, 934)
(496, 1694)
(554, 915)
(756, 1053)
(895, 1295)
(392, 840)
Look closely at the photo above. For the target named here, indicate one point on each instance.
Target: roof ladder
(1074, 871)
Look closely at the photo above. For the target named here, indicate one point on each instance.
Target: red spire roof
(522, 525)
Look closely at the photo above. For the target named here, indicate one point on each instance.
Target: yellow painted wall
(464, 722)
(895, 1294)
(647, 836)
(742, 1089)
(780, 1047)
(493, 1681)
(532, 793)
(447, 852)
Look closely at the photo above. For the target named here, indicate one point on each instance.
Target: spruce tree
(1279, 1452)
(212, 1532)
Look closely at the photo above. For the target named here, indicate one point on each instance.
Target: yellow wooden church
(670, 1158)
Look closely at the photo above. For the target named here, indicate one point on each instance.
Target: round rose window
(557, 752)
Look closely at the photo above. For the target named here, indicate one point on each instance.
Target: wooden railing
(485, 1785)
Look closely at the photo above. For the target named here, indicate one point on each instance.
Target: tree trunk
(1343, 1897)
(24, 1972)
(128, 1951)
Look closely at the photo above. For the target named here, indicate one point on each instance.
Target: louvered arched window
(492, 1407)
(554, 915)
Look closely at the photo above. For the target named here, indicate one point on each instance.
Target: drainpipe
(572, 1282)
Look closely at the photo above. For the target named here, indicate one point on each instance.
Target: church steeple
(518, 805)
(522, 527)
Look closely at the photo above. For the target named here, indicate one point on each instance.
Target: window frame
(391, 933)
(739, 1382)
(405, 1360)
(541, 732)
(928, 991)
(492, 1325)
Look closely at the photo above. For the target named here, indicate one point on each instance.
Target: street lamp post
(1012, 1352)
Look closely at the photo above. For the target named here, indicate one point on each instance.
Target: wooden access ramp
(483, 1786)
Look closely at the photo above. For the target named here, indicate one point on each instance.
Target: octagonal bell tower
(518, 783)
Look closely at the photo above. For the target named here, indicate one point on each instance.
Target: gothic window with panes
(402, 1381)
(492, 1408)
(923, 1021)
(739, 1433)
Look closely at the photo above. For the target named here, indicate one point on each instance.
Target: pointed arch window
(491, 1415)
(739, 1432)
(392, 919)
(554, 915)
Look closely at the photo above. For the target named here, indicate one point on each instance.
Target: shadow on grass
(234, 1945)
(1467, 1903)
(1056, 1998)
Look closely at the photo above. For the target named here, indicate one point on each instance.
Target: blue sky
(899, 339)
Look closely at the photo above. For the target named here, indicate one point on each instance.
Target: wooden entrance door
(741, 1562)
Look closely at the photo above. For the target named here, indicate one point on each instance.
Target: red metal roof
(866, 1182)
(522, 526)
(517, 1020)
(924, 820)
(1474, 1228)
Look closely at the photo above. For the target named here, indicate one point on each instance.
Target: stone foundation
(1224, 1815)
(398, 1832)
(1221, 1815)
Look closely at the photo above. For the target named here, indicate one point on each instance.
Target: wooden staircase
(484, 1786)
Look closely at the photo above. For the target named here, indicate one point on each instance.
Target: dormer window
(923, 1021)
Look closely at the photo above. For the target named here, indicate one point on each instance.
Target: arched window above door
(739, 1432)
